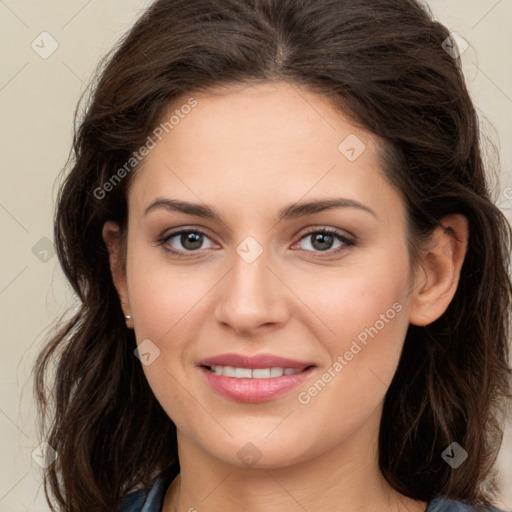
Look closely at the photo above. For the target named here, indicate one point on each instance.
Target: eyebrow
(292, 211)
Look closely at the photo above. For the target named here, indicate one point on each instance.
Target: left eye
(322, 240)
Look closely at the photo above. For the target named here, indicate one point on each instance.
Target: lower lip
(254, 390)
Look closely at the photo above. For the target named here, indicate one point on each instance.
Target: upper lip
(257, 361)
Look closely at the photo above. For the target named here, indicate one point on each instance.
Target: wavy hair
(383, 65)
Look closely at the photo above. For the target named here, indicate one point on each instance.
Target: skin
(249, 151)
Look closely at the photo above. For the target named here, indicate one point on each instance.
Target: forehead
(260, 144)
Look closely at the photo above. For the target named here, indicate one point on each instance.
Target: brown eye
(323, 240)
(191, 240)
(185, 240)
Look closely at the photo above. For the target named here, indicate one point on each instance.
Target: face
(327, 287)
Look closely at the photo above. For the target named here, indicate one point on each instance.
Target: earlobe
(112, 237)
(437, 281)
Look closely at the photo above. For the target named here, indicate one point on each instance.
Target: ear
(439, 271)
(112, 237)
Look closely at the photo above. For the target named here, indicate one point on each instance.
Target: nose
(252, 297)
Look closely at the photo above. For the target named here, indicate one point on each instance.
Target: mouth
(254, 385)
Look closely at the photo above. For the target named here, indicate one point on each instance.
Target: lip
(257, 361)
(254, 390)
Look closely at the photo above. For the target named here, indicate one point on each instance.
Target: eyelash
(330, 231)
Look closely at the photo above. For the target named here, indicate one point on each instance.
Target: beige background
(37, 101)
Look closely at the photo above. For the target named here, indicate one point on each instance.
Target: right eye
(191, 240)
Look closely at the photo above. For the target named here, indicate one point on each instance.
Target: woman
(294, 285)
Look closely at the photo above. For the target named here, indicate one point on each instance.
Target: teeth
(261, 373)
(243, 373)
(248, 373)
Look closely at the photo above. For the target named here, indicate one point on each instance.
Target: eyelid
(346, 240)
(328, 229)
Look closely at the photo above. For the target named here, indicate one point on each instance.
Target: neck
(343, 478)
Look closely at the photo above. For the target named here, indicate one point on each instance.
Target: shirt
(138, 501)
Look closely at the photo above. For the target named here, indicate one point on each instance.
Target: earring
(129, 321)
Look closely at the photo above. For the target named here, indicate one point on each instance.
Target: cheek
(166, 304)
(366, 307)
(354, 298)
(370, 326)
(164, 295)
(366, 313)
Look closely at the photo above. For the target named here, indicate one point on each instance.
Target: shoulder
(440, 504)
(152, 501)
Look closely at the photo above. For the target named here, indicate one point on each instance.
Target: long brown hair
(384, 66)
